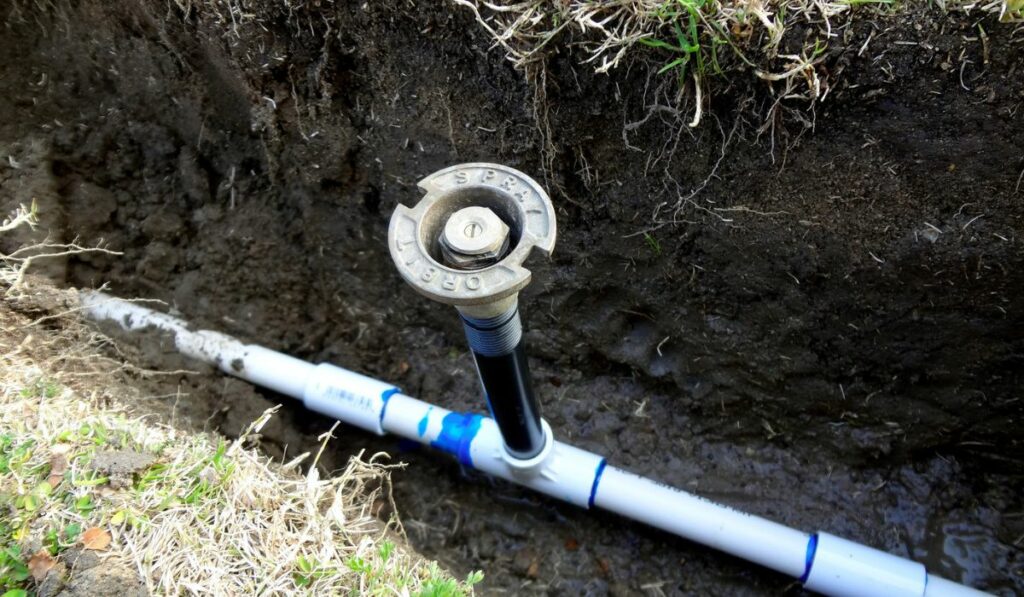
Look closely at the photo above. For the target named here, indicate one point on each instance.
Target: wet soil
(828, 333)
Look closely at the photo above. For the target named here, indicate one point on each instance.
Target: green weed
(41, 389)
(653, 244)
(684, 17)
(441, 586)
(308, 570)
(13, 568)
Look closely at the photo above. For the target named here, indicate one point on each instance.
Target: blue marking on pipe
(812, 548)
(457, 434)
(385, 396)
(421, 428)
(597, 479)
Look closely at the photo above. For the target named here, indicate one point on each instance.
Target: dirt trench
(822, 325)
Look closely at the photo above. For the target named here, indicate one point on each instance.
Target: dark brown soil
(829, 333)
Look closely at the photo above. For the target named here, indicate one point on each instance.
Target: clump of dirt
(121, 466)
(832, 308)
(86, 575)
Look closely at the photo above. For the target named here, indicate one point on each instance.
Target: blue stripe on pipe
(597, 480)
(457, 434)
(422, 427)
(812, 548)
(385, 396)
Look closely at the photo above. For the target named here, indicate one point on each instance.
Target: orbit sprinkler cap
(441, 225)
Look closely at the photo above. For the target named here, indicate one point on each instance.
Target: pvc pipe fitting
(563, 472)
(527, 467)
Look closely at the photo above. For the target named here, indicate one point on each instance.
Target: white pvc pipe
(939, 587)
(752, 538)
(823, 562)
(843, 567)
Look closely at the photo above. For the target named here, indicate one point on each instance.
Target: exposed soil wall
(823, 326)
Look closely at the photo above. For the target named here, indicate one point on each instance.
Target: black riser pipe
(509, 391)
(500, 355)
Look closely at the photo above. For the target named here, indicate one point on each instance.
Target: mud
(824, 327)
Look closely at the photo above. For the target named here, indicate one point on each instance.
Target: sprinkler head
(464, 245)
(465, 241)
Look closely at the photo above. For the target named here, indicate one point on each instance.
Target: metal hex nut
(474, 231)
(473, 238)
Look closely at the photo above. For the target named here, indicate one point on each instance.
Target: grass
(692, 40)
(1012, 11)
(195, 513)
(698, 42)
(207, 516)
(653, 244)
(687, 47)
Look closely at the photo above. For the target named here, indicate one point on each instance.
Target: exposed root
(22, 216)
(537, 75)
(19, 262)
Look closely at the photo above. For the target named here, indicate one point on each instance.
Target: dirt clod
(120, 466)
(103, 580)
